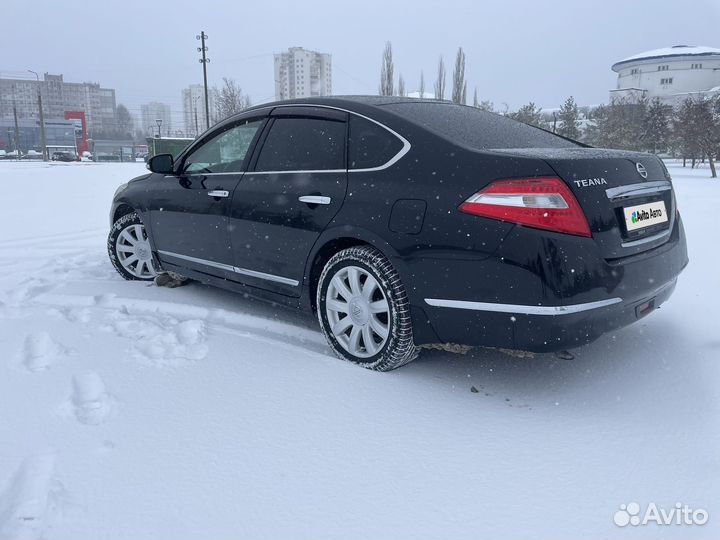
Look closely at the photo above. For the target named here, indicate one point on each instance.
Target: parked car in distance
(64, 156)
(33, 154)
(3, 154)
(403, 222)
(13, 154)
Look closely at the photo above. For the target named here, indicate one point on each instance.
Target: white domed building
(671, 74)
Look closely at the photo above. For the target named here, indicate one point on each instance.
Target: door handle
(218, 193)
(314, 199)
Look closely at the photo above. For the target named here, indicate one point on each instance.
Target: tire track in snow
(128, 316)
(54, 239)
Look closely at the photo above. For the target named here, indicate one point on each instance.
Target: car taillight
(543, 203)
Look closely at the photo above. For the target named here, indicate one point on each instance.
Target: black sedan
(405, 222)
(64, 156)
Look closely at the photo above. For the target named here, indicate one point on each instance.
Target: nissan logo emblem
(642, 171)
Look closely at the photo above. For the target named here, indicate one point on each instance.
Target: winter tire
(129, 249)
(363, 310)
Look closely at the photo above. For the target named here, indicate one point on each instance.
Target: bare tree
(440, 82)
(386, 71)
(705, 117)
(422, 85)
(475, 99)
(230, 99)
(401, 86)
(656, 125)
(459, 88)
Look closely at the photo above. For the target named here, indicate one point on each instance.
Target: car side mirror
(162, 164)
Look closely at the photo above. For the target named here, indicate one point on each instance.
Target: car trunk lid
(627, 197)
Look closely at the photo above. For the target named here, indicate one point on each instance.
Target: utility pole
(204, 61)
(42, 117)
(17, 132)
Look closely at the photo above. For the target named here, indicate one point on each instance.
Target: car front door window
(224, 153)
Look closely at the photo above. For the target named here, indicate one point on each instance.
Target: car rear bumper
(537, 328)
(561, 296)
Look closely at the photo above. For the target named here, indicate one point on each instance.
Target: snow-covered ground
(128, 410)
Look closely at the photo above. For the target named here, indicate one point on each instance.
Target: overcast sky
(517, 50)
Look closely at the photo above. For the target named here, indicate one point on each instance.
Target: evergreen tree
(487, 105)
(124, 122)
(569, 119)
(528, 114)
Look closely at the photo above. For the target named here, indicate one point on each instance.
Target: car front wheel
(129, 249)
(364, 311)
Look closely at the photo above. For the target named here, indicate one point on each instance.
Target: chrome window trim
(521, 309)
(397, 157)
(231, 268)
(635, 190)
(205, 174)
(299, 171)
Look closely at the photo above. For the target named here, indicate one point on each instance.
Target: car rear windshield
(475, 128)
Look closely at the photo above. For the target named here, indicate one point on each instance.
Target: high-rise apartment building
(153, 112)
(59, 97)
(193, 99)
(302, 73)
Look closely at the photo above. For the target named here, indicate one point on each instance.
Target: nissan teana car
(404, 222)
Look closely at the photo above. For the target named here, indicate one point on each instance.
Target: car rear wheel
(363, 310)
(129, 249)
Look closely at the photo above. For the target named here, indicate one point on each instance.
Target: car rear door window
(224, 153)
(303, 144)
(370, 145)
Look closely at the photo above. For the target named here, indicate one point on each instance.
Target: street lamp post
(43, 142)
(197, 130)
(158, 121)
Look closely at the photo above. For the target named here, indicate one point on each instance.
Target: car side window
(303, 144)
(370, 145)
(225, 152)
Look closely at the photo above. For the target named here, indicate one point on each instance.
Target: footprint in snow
(30, 499)
(28, 290)
(40, 351)
(90, 401)
(160, 340)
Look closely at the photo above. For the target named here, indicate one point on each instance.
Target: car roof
(348, 102)
(463, 125)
